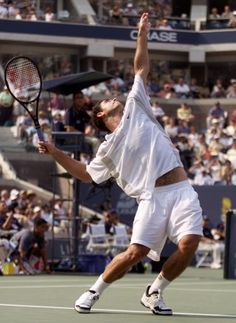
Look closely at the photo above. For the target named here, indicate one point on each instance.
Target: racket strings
(23, 79)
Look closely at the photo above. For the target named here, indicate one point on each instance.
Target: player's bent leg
(116, 269)
(181, 258)
(122, 263)
(173, 267)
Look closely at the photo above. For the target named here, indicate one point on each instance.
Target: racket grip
(40, 134)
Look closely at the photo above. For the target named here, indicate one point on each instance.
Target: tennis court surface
(199, 295)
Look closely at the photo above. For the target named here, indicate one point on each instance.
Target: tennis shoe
(84, 303)
(155, 302)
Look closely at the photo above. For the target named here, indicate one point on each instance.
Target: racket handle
(40, 134)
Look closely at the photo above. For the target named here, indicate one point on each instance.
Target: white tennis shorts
(172, 211)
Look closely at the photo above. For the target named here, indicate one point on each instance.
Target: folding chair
(204, 255)
(120, 239)
(98, 239)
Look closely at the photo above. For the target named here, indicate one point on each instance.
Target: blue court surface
(199, 295)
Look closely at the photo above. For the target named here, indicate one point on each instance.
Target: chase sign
(158, 36)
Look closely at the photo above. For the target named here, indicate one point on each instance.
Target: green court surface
(199, 295)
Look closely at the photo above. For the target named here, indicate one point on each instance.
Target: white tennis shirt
(138, 151)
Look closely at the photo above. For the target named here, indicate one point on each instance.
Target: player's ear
(100, 114)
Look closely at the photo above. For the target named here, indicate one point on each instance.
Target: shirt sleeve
(98, 171)
(139, 92)
(26, 242)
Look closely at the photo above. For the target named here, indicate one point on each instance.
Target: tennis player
(140, 156)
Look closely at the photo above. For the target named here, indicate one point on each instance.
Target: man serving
(145, 164)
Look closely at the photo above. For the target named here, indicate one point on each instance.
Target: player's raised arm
(74, 167)
(141, 58)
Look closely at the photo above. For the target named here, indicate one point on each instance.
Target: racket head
(23, 79)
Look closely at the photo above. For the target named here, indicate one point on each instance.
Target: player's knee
(136, 252)
(189, 244)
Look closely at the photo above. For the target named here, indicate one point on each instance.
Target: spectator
(76, 116)
(193, 135)
(194, 89)
(218, 90)
(60, 211)
(43, 119)
(184, 113)
(196, 169)
(215, 169)
(167, 92)
(31, 249)
(5, 197)
(164, 25)
(227, 13)
(107, 222)
(203, 178)
(225, 140)
(18, 15)
(181, 89)
(185, 150)
(158, 111)
(47, 215)
(231, 91)
(3, 10)
(170, 127)
(153, 86)
(227, 173)
(214, 14)
(116, 14)
(231, 154)
(209, 243)
(31, 197)
(7, 220)
(130, 14)
(32, 15)
(49, 15)
(56, 104)
(216, 113)
(215, 147)
(57, 122)
(22, 200)
(12, 10)
(232, 22)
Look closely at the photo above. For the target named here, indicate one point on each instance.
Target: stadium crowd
(221, 20)
(208, 154)
(119, 12)
(25, 10)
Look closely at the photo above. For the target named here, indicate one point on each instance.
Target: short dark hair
(78, 93)
(98, 122)
(39, 222)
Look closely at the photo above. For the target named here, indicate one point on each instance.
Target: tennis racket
(24, 82)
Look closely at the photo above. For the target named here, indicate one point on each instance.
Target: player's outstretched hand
(45, 147)
(144, 24)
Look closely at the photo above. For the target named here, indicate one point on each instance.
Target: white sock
(159, 284)
(99, 285)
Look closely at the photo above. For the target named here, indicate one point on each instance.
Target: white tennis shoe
(155, 302)
(84, 303)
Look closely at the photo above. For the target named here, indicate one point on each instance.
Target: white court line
(29, 280)
(142, 282)
(105, 310)
(119, 287)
